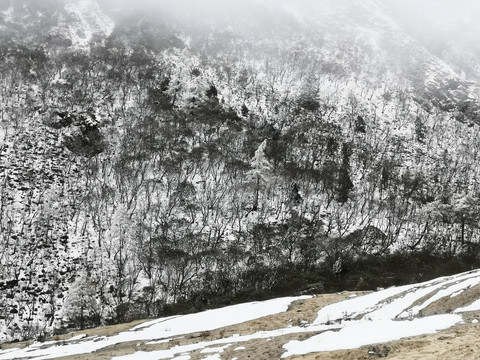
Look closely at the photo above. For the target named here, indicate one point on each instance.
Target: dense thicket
(159, 170)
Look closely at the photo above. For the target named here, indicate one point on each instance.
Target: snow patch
(475, 306)
(167, 354)
(181, 357)
(165, 328)
(213, 357)
(386, 315)
(363, 332)
(215, 349)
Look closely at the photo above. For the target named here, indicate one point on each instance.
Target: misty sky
(437, 19)
(432, 17)
(449, 29)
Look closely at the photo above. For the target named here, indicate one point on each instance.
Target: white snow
(374, 318)
(449, 291)
(163, 328)
(78, 337)
(457, 293)
(182, 357)
(213, 357)
(214, 319)
(364, 332)
(475, 306)
(168, 354)
(215, 349)
(352, 306)
(384, 316)
(89, 21)
(379, 305)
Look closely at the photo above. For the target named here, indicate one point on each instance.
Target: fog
(438, 20)
(449, 29)
(433, 19)
(209, 10)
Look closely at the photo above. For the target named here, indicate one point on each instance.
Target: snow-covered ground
(386, 315)
(164, 328)
(364, 332)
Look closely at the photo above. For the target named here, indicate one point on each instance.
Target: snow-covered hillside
(379, 317)
(88, 20)
(59, 22)
(175, 161)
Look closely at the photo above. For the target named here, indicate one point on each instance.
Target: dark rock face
(60, 119)
(83, 136)
(88, 142)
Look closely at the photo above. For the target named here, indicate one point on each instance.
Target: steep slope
(382, 29)
(451, 72)
(167, 165)
(53, 22)
(87, 20)
(447, 30)
(38, 193)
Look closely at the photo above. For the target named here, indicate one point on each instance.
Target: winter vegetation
(166, 161)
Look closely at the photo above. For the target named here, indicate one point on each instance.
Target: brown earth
(458, 342)
(448, 304)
